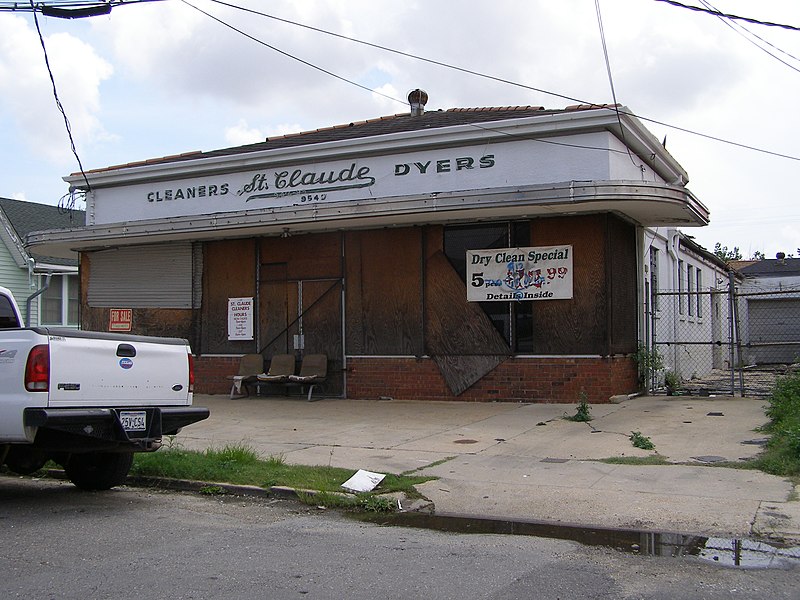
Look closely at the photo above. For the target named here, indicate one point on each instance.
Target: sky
(160, 78)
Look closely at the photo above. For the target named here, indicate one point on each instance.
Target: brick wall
(211, 373)
(515, 380)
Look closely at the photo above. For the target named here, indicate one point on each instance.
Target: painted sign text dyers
(314, 184)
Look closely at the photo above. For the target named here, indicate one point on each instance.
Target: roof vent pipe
(417, 99)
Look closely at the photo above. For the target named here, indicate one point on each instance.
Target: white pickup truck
(88, 400)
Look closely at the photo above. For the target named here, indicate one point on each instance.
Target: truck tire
(24, 459)
(98, 470)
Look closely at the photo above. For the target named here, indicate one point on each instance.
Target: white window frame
(64, 279)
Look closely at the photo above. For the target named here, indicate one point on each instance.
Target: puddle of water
(740, 553)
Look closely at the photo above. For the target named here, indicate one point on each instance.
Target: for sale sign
(120, 319)
(539, 273)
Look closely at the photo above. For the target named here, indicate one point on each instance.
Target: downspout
(672, 248)
(29, 300)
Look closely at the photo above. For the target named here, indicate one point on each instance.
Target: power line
(474, 73)
(717, 13)
(279, 51)
(736, 27)
(68, 9)
(58, 101)
(611, 82)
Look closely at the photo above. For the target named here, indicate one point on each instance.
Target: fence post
(736, 341)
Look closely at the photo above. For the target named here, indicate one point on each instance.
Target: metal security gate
(732, 341)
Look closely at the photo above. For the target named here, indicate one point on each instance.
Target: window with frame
(681, 287)
(690, 297)
(654, 277)
(59, 303)
(699, 288)
(512, 319)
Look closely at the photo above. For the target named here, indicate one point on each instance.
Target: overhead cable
(58, 101)
(279, 51)
(476, 74)
(717, 13)
(737, 29)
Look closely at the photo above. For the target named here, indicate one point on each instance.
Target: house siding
(16, 279)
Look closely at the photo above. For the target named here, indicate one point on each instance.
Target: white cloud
(28, 91)
(241, 134)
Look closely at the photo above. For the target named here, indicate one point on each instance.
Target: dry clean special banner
(542, 273)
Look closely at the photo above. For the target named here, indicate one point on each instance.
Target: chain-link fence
(733, 341)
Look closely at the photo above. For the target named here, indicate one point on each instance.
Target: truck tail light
(191, 372)
(37, 369)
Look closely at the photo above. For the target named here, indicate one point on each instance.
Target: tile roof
(26, 217)
(399, 123)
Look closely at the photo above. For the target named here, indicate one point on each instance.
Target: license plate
(133, 420)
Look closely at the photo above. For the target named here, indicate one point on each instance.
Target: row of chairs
(313, 373)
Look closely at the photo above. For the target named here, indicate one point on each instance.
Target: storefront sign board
(536, 273)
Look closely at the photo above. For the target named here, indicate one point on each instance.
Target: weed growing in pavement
(435, 463)
(212, 490)
(582, 414)
(641, 441)
(366, 502)
(650, 362)
(653, 459)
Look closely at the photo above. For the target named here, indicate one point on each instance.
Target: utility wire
(611, 82)
(60, 107)
(481, 75)
(475, 125)
(279, 51)
(717, 13)
(737, 29)
(65, 7)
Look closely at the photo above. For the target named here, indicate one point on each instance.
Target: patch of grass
(366, 502)
(641, 441)
(241, 465)
(435, 463)
(582, 414)
(653, 459)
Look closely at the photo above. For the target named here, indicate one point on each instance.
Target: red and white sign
(120, 319)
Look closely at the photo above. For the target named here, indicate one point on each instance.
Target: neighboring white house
(769, 310)
(26, 274)
(686, 304)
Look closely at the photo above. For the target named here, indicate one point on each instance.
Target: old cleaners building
(472, 254)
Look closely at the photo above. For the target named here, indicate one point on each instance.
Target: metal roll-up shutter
(154, 276)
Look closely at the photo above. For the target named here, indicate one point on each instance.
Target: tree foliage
(725, 254)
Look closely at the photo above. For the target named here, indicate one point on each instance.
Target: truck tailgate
(100, 369)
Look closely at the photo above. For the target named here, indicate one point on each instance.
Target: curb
(253, 491)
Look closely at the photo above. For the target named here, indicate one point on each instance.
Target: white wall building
(686, 307)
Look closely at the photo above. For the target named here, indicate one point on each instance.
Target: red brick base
(515, 380)
(211, 373)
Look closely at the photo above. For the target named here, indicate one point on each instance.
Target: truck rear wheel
(98, 470)
(24, 460)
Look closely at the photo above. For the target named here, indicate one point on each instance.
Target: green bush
(782, 455)
(784, 405)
